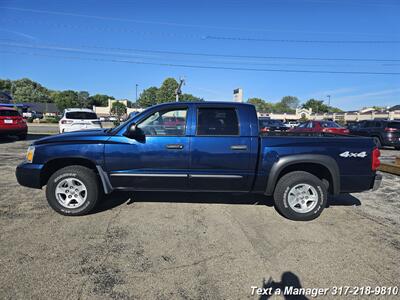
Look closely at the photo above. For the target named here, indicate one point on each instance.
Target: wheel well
(317, 170)
(56, 164)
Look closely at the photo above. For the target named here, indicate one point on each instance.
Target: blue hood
(88, 136)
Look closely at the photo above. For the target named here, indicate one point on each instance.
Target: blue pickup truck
(197, 147)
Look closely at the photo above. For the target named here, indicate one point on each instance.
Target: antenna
(178, 91)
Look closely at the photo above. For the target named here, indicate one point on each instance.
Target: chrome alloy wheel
(71, 193)
(302, 198)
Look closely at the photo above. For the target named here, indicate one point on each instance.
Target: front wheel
(300, 196)
(73, 190)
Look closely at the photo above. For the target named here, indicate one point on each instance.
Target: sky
(348, 49)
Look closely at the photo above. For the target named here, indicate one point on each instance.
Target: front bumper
(377, 182)
(29, 175)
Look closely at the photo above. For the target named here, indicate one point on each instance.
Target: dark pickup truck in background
(205, 146)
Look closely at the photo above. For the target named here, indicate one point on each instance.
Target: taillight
(21, 121)
(66, 121)
(389, 129)
(346, 131)
(265, 129)
(375, 159)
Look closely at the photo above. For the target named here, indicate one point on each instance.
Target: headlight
(30, 153)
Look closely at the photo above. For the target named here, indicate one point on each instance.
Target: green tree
(148, 97)
(258, 103)
(83, 98)
(118, 108)
(189, 98)
(26, 90)
(99, 100)
(5, 86)
(66, 99)
(166, 93)
(318, 106)
(289, 102)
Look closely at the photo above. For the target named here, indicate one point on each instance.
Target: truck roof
(206, 103)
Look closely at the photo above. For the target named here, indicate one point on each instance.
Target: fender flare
(319, 159)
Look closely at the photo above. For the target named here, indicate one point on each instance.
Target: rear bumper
(377, 182)
(13, 131)
(29, 175)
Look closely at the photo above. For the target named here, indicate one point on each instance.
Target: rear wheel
(73, 190)
(300, 196)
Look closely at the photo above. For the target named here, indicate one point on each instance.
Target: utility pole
(329, 100)
(178, 91)
(136, 91)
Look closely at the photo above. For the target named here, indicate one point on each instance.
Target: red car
(12, 123)
(320, 126)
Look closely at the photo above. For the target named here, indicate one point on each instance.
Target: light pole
(329, 100)
(136, 91)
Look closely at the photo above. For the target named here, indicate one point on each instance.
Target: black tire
(84, 175)
(22, 136)
(291, 180)
(397, 147)
(377, 141)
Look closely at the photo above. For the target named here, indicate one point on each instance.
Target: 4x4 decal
(353, 154)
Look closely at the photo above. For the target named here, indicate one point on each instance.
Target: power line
(250, 39)
(346, 59)
(152, 57)
(208, 37)
(205, 67)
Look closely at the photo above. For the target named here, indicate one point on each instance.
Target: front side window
(165, 123)
(217, 121)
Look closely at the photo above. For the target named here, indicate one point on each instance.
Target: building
(105, 111)
(369, 113)
(300, 113)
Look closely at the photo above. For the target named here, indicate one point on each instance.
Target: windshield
(330, 124)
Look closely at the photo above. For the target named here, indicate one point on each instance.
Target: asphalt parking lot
(190, 246)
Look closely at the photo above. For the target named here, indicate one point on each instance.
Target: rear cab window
(81, 115)
(217, 121)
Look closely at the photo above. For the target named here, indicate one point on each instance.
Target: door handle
(174, 146)
(239, 147)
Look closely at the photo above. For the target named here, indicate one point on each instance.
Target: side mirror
(134, 132)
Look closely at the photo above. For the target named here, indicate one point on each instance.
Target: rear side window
(9, 113)
(217, 121)
(393, 125)
(81, 115)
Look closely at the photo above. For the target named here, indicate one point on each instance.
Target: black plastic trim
(318, 159)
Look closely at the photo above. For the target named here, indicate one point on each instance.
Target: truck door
(220, 152)
(158, 161)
